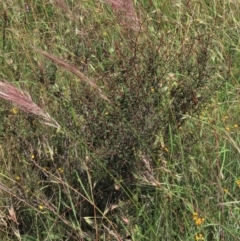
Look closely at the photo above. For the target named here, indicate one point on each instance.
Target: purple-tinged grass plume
(73, 70)
(125, 12)
(24, 101)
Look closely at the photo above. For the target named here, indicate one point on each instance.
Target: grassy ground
(136, 132)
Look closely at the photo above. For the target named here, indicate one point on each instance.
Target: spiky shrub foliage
(117, 91)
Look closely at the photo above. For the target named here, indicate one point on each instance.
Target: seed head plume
(24, 101)
(125, 12)
(73, 70)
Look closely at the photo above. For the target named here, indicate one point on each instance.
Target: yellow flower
(227, 128)
(165, 149)
(40, 207)
(199, 237)
(198, 220)
(195, 215)
(226, 191)
(14, 111)
(60, 170)
(17, 178)
(224, 118)
(238, 182)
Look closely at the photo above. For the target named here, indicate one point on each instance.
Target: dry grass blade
(13, 215)
(24, 101)
(73, 70)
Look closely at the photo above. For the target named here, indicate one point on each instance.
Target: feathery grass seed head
(24, 101)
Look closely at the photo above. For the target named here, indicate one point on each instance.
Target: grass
(135, 130)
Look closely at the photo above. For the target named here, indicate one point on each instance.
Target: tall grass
(148, 144)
